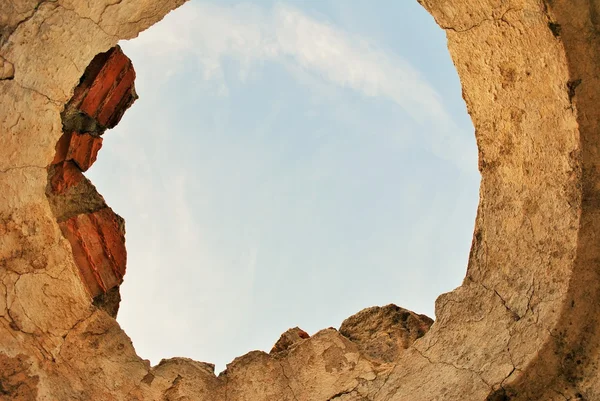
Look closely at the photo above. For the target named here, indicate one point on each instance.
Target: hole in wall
(287, 164)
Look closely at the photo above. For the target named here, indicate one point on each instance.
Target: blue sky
(287, 164)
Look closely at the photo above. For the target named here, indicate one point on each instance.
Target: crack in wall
(4, 40)
(440, 362)
(96, 23)
(9, 169)
(287, 380)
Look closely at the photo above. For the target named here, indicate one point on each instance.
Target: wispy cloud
(251, 35)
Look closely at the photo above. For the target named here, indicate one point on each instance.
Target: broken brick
(84, 150)
(105, 91)
(101, 93)
(63, 176)
(104, 83)
(80, 148)
(80, 198)
(118, 100)
(98, 243)
(62, 148)
(95, 232)
(89, 75)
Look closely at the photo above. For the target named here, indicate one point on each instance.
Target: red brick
(105, 82)
(104, 92)
(90, 74)
(113, 101)
(89, 275)
(62, 148)
(80, 148)
(98, 243)
(111, 231)
(63, 176)
(84, 150)
(126, 102)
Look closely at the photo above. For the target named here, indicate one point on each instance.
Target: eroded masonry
(522, 326)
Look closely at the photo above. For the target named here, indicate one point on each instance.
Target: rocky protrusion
(289, 338)
(82, 149)
(98, 243)
(7, 70)
(105, 92)
(383, 333)
(96, 233)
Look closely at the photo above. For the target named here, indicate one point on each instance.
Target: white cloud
(350, 61)
(304, 45)
(252, 35)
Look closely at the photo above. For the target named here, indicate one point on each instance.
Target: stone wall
(522, 326)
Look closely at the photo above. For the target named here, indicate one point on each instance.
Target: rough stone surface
(382, 333)
(7, 70)
(98, 243)
(70, 193)
(289, 338)
(82, 149)
(524, 325)
(15, 381)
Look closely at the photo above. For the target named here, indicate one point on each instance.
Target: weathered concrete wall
(524, 323)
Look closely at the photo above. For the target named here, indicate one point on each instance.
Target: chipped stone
(383, 333)
(7, 69)
(289, 338)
